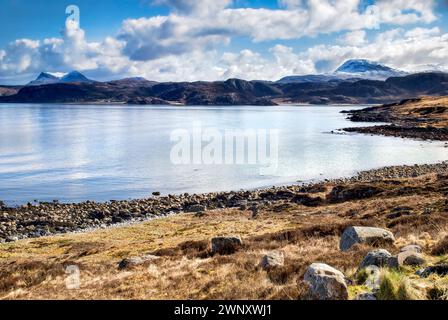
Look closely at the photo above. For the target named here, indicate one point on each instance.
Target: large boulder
(226, 245)
(410, 258)
(272, 260)
(412, 247)
(368, 235)
(326, 283)
(379, 258)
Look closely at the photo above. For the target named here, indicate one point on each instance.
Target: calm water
(75, 153)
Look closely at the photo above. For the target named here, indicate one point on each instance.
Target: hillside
(237, 92)
(425, 118)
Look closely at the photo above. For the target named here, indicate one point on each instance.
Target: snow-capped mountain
(365, 69)
(74, 76)
(351, 70)
(44, 78)
(47, 78)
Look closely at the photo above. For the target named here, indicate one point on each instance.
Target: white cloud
(354, 38)
(184, 45)
(201, 7)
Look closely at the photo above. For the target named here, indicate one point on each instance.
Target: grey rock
(133, 262)
(12, 239)
(368, 235)
(226, 245)
(440, 270)
(373, 281)
(366, 296)
(273, 259)
(412, 247)
(410, 258)
(326, 283)
(379, 258)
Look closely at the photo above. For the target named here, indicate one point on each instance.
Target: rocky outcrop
(226, 245)
(367, 235)
(348, 193)
(326, 283)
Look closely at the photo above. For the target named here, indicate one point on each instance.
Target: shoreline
(52, 218)
(40, 219)
(423, 118)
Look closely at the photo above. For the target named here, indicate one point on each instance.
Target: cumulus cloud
(188, 43)
(354, 38)
(201, 7)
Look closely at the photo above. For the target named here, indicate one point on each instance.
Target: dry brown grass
(432, 109)
(35, 268)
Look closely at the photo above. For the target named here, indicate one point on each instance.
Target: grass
(35, 268)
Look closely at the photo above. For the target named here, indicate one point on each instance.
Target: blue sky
(177, 40)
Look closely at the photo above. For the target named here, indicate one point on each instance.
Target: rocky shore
(35, 220)
(422, 118)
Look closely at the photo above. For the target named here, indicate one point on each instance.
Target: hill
(236, 91)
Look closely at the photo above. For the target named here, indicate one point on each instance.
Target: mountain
(351, 70)
(44, 78)
(74, 76)
(237, 91)
(366, 69)
(317, 78)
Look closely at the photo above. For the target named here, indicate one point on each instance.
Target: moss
(353, 291)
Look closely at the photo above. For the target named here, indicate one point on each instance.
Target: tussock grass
(35, 268)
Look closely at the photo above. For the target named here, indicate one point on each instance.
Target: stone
(440, 270)
(410, 258)
(326, 283)
(133, 262)
(367, 235)
(272, 260)
(378, 258)
(412, 247)
(373, 281)
(226, 245)
(366, 296)
(196, 208)
(12, 239)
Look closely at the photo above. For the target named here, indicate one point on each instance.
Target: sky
(191, 40)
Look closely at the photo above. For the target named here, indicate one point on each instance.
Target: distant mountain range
(346, 85)
(351, 70)
(47, 78)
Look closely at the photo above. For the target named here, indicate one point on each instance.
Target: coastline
(423, 118)
(161, 247)
(171, 257)
(41, 219)
(45, 219)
